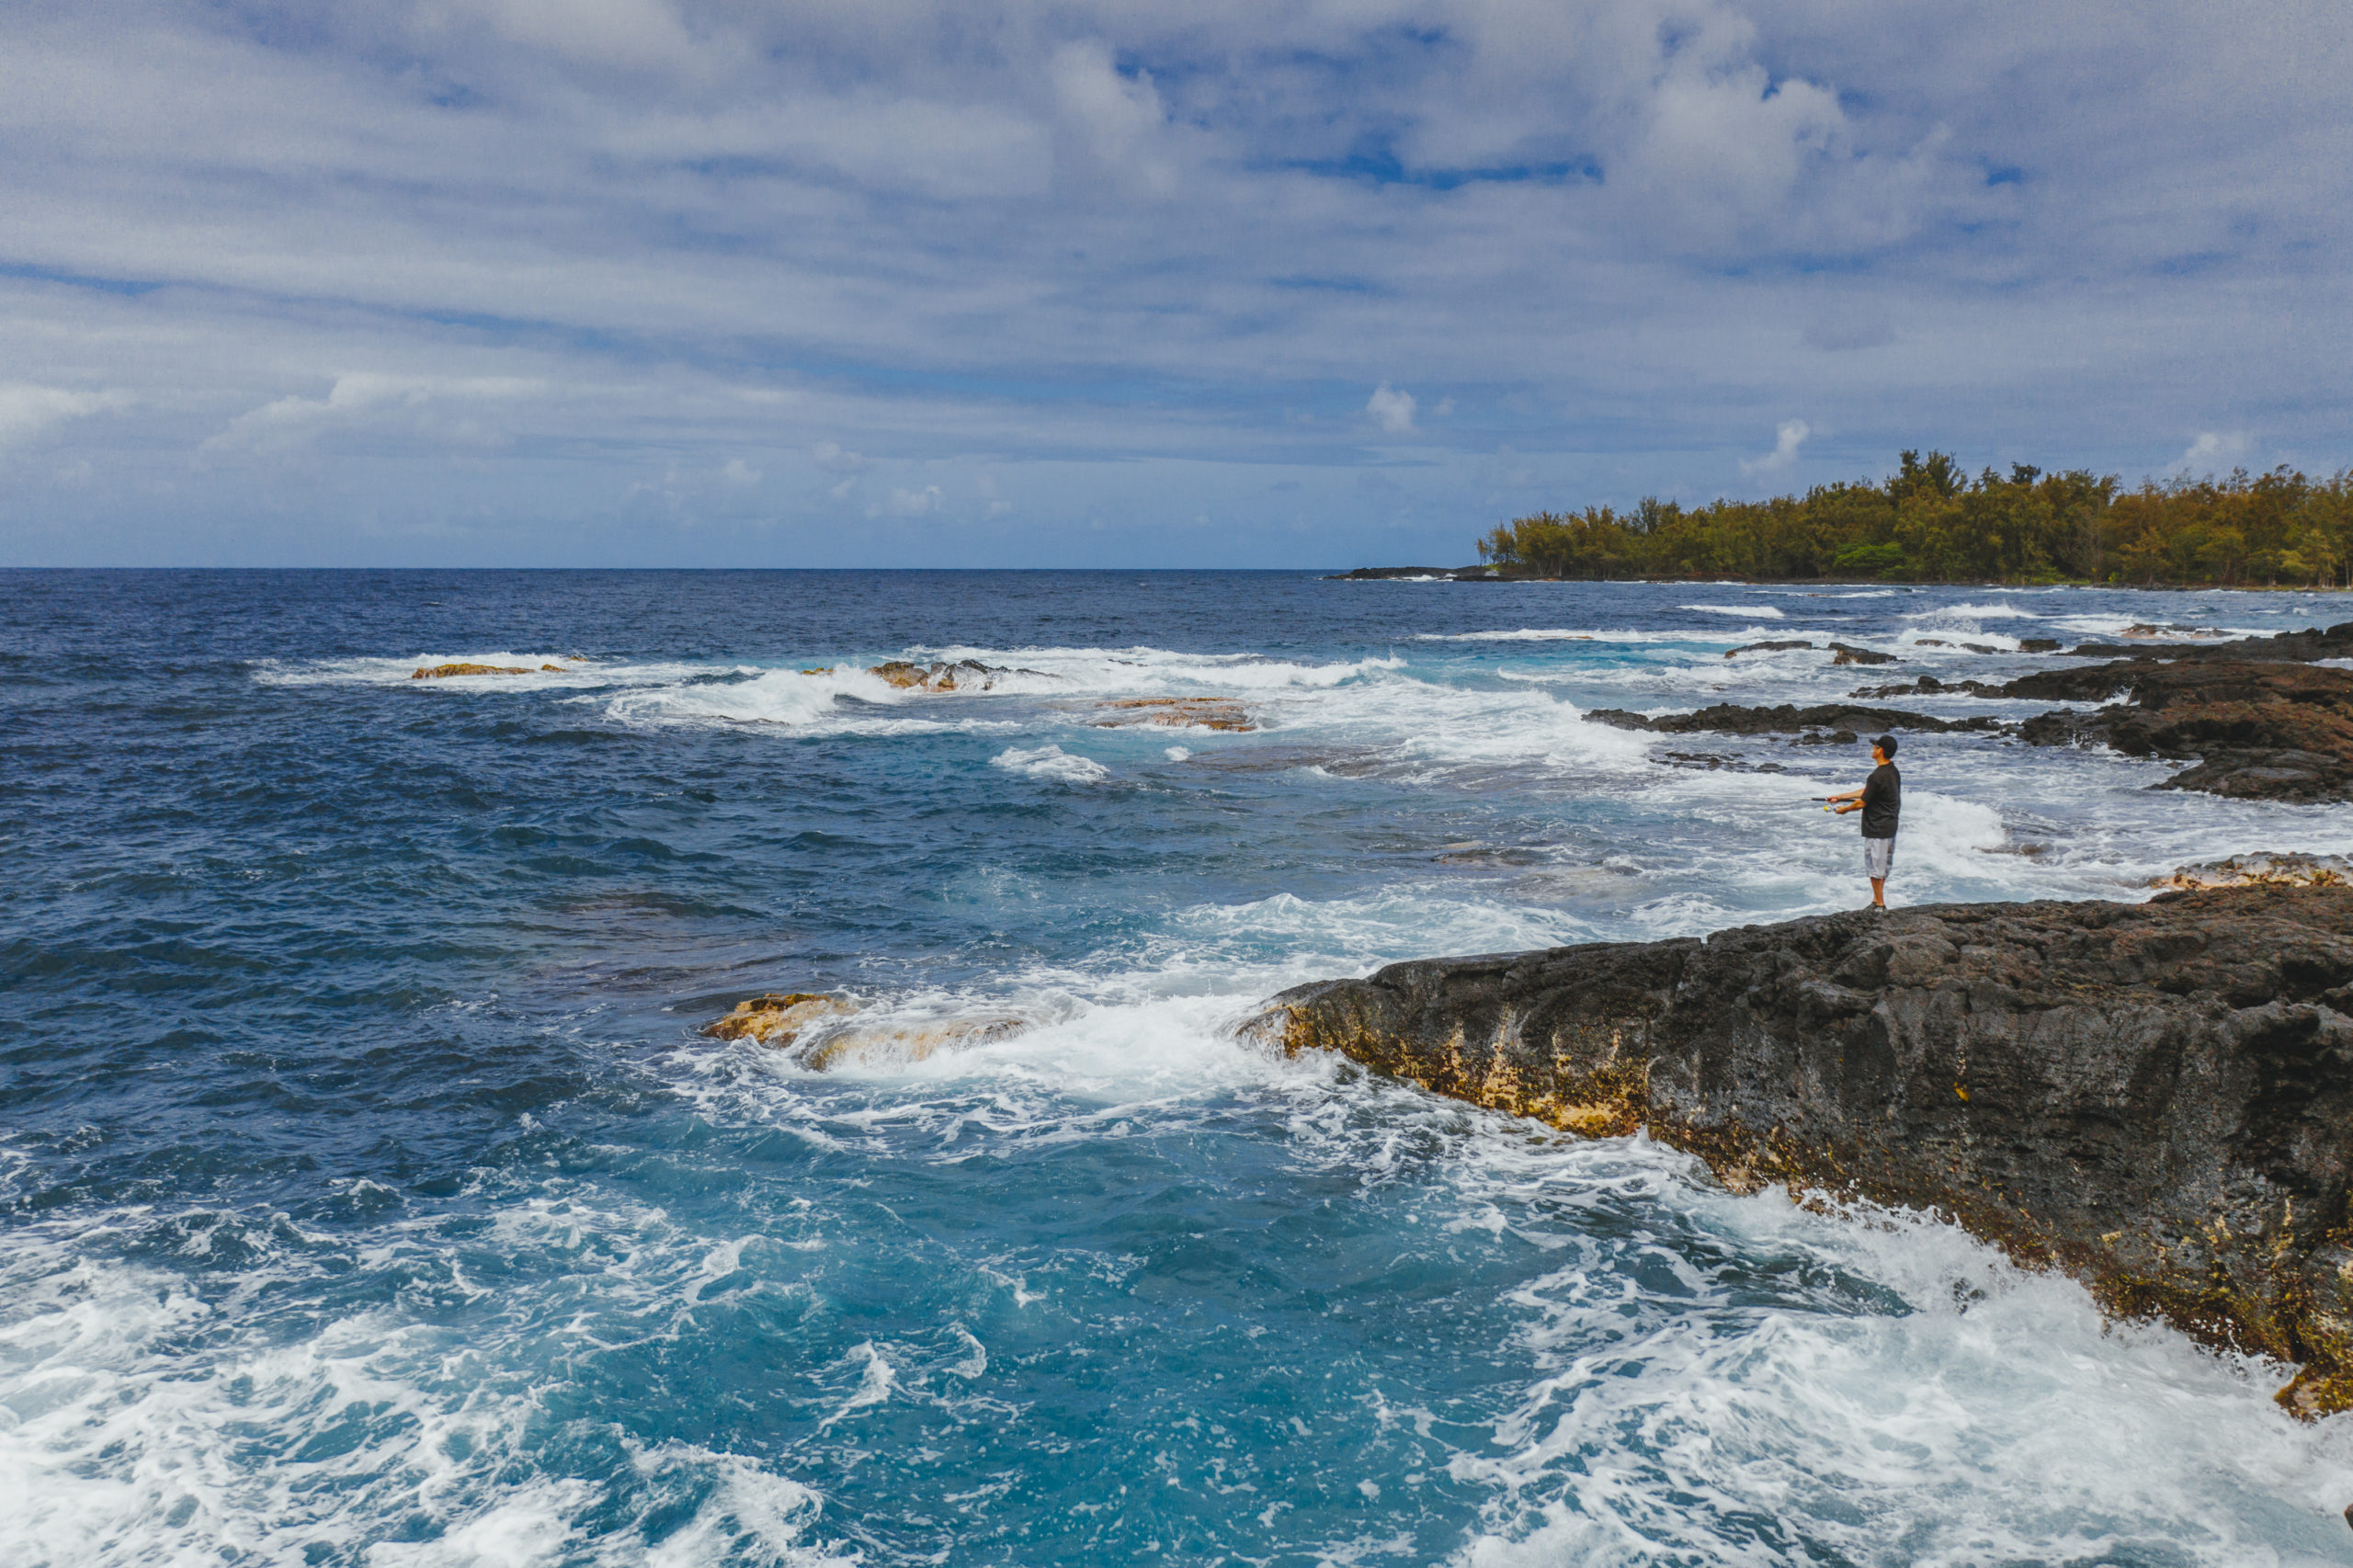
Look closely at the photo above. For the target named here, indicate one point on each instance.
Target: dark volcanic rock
(2156, 1099)
(1781, 647)
(2286, 647)
(2038, 644)
(2259, 731)
(1730, 719)
(1852, 656)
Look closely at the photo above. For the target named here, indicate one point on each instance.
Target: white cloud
(1394, 410)
(1788, 436)
(426, 409)
(1621, 234)
(1111, 122)
(27, 410)
(908, 503)
(2212, 449)
(738, 472)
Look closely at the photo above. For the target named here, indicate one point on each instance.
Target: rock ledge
(2156, 1099)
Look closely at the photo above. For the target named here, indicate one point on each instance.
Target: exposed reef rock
(444, 672)
(2264, 870)
(1853, 655)
(1781, 647)
(2260, 720)
(1730, 719)
(964, 675)
(2286, 647)
(2274, 732)
(777, 1020)
(1179, 712)
(2156, 1099)
(817, 1030)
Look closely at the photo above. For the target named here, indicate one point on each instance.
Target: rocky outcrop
(2256, 731)
(819, 1031)
(777, 1020)
(2286, 647)
(2264, 870)
(1176, 712)
(1730, 719)
(2258, 716)
(964, 675)
(444, 672)
(1845, 653)
(2156, 1099)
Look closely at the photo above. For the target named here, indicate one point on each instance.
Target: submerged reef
(2156, 1099)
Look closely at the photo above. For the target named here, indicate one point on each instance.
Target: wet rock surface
(2156, 1099)
(964, 675)
(1732, 718)
(2287, 647)
(447, 672)
(824, 1032)
(2259, 716)
(1176, 712)
(2274, 732)
(2264, 870)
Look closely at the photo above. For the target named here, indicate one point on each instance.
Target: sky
(1325, 284)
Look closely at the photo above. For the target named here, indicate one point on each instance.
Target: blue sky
(880, 282)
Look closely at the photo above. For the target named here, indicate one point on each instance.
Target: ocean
(369, 1194)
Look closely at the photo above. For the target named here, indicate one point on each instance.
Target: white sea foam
(1953, 634)
(1549, 634)
(571, 673)
(1974, 612)
(770, 696)
(1870, 1382)
(1051, 763)
(1980, 1416)
(1765, 611)
(136, 1414)
(1156, 671)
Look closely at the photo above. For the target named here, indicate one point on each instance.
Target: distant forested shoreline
(1931, 522)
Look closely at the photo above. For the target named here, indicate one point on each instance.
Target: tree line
(1931, 522)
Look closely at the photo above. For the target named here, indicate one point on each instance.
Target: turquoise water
(370, 1197)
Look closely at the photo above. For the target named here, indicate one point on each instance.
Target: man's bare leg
(1879, 892)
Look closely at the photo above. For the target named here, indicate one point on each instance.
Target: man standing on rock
(1880, 800)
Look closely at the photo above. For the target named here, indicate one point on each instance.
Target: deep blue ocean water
(367, 1195)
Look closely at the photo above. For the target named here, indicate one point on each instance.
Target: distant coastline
(1932, 522)
(1488, 574)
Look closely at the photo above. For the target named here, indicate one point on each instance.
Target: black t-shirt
(1883, 801)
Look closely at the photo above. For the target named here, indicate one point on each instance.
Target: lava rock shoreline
(2261, 717)
(2156, 1099)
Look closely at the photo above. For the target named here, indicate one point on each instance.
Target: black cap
(1886, 744)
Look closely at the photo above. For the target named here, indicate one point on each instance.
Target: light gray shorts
(1878, 854)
